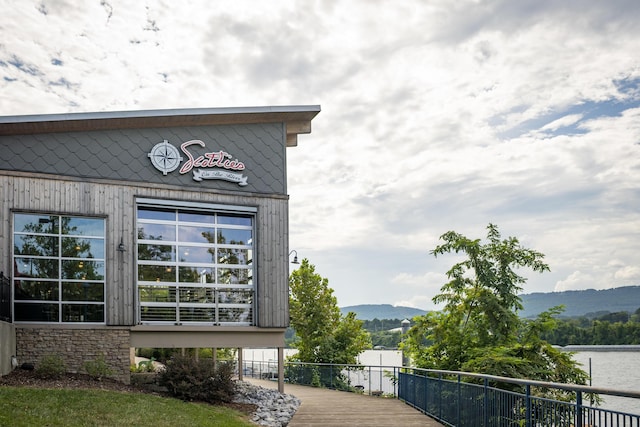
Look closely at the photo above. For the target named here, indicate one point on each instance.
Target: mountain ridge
(577, 303)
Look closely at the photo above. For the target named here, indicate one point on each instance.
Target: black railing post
(331, 373)
(396, 375)
(485, 410)
(440, 396)
(528, 406)
(425, 386)
(459, 402)
(578, 408)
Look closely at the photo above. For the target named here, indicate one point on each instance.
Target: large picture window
(195, 265)
(58, 268)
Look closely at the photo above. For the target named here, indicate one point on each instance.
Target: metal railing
(372, 380)
(466, 399)
(463, 399)
(5, 298)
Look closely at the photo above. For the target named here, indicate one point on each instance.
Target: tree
(323, 335)
(479, 329)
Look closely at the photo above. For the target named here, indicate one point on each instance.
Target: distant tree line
(620, 328)
(600, 328)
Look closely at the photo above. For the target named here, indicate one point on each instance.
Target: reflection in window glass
(73, 247)
(199, 295)
(196, 314)
(83, 270)
(157, 273)
(158, 314)
(35, 290)
(42, 268)
(235, 296)
(24, 244)
(82, 226)
(234, 220)
(156, 252)
(157, 232)
(157, 293)
(195, 275)
(82, 313)
(196, 217)
(36, 312)
(234, 237)
(159, 214)
(85, 291)
(234, 276)
(234, 315)
(195, 234)
(234, 256)
(196, 254)
(40, 224)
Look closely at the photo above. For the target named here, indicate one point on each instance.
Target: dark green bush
(51, 366)
(198, 380)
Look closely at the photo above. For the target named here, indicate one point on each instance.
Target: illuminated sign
(210, 165)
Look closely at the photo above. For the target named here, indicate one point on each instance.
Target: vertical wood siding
(116, 203)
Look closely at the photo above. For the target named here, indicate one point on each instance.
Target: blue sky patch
(629, 90)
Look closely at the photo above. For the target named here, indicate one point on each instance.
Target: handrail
(562, 386)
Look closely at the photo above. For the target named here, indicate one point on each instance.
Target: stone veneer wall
(77, 346)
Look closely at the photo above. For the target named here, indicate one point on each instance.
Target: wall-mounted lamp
(121, 246)
(295, 257)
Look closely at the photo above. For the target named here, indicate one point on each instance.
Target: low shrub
(198, 380)
(50, 366)
(98, 368)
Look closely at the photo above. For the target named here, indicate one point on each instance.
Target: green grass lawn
(25, 406)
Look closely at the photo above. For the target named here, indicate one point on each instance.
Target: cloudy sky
(436, 116)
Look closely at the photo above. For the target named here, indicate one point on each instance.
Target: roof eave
(297, 119)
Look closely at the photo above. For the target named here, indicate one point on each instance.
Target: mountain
(581, 303)
(588, 303)
(382, 311)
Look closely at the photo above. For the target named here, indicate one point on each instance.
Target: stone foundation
(77, 346)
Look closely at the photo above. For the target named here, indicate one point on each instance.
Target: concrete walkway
(324, 407)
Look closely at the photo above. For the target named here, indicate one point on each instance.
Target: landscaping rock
(274, 409)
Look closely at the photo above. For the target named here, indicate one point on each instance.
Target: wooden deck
(324, 407)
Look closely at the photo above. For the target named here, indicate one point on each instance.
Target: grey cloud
(465, 21)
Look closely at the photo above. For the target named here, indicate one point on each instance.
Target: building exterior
(165, 228)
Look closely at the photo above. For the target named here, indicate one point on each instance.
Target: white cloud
(562, 122)
(576, 280)
(629, 274)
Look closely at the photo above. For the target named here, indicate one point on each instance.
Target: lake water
(619, 370)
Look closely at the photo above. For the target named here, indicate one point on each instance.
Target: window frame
(60, 305)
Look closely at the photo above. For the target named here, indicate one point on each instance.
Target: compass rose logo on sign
(165, 157)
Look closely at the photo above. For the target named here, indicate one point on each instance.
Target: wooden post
(240, 364)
